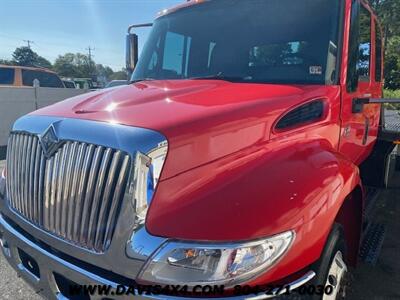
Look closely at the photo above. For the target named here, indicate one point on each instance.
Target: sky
(61, 26)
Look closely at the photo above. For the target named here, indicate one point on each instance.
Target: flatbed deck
(390, 130)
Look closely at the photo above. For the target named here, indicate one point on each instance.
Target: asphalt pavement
(12, 287)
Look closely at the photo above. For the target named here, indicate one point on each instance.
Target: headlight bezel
(3, 174)
(146, 173)
(166, 248)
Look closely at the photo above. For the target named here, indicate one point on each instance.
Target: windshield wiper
(218, 76)
(141, 79)
(221, 76)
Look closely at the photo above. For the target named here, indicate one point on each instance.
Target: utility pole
(29, 42)
(90, 55)
(90, 49)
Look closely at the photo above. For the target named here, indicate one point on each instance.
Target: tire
(332, 269)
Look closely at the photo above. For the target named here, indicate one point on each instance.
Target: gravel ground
(382, 281)
(12, 287)
(377, 282)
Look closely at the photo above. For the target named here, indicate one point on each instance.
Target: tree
(389, 14)
(65, 65)
(119, 75)
(6, 62)
(75, 65)
(78, 65)
(103, 73)
(392, 64)
(25, 56)
(42, 62)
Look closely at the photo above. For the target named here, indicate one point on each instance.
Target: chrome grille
(75, 194)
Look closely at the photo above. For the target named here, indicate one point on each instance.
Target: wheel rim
(335, 278)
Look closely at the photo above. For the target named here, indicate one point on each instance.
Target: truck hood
(203, 120)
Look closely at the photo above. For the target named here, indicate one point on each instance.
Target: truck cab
(234, 165)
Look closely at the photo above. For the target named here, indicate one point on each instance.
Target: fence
(16, 102)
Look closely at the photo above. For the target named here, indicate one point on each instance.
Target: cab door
(360, 123)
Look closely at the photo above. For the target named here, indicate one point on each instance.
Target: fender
(285, 184)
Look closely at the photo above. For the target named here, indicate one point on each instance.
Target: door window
(359, 47)
(173, 61)
(46, 79)
(378, 41)
(364, 48)
(7, 76)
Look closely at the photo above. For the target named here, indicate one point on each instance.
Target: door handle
(358, 105)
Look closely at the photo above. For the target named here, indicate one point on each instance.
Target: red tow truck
(240, 157)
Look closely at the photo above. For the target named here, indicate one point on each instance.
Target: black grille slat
(75, 194)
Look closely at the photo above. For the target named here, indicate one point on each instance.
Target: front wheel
(337, 278)
(332, 271)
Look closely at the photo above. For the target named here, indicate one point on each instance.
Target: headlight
(226, 264)
(146, 175)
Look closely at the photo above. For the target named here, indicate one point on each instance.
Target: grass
(392, 94)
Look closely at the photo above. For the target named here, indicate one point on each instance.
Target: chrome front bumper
(12, 242)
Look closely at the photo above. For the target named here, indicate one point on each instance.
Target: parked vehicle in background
(69, 84)
(241, 155)
(84, 83)
(18, 76)
(115, 83)
(23, 90)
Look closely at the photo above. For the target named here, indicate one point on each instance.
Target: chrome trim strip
(292, 286)
(3, 186)
(89, 194)
(121, 137)
(124, 170)
(62, 262)
(142, 245)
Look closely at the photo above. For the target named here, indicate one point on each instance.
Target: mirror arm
(358, 103)
(138, 26)
(383, 100)
(132, 47)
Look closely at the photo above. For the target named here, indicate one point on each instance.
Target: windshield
(272, 41)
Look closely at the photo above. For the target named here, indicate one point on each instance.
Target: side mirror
(131, 52)
(132, 48)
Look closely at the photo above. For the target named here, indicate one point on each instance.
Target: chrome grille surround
(94, 146)
(74, 194)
